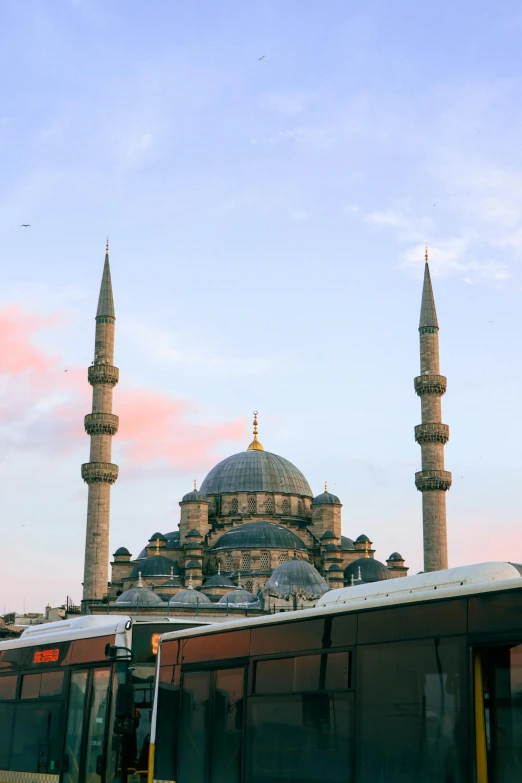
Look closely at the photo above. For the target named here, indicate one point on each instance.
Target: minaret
(99, 473)
(433, 481)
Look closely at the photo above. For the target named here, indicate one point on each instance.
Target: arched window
(228, 563)
(285, 506)
(269, 506)
(233, 506)
(246, 561)
(282, 557)
(265, 561)
(252, 505)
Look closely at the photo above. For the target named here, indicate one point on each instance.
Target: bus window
(143, 679)
(74, 729)
(194, 728)
(305, 737)
(8, 686)
(501, 702)
(227, 719)
(6, 727)
(37, 737)
(96, 727)
(412, 699)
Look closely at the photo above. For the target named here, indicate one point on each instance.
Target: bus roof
(432, 586)
(83, 627)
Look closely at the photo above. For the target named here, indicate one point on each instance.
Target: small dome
(218, 580)
(396, 556)
(328, 534)
(189, 597)
(335, 567)
(139, 596)
(156, 536)
(121, 551)
(154, 565)
(362, 539)
(193, 564)
(194, 533)
(371, 570)
(346, 543)
(326, 499)
(256, 471)
(331, 548)
(193, 497)
(296, 577)
(237, 597)
(260, 535)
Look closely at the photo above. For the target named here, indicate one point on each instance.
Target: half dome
(262, 535)
(255, 471)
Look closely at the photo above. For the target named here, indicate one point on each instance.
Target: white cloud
(168, 347)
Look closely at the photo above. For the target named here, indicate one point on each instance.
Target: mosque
(254, 538)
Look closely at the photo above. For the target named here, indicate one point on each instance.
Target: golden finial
(157, 547)
(366, 549)
(326, 486)
(195, 486)
(219, 568)
(107, 246)
(140, 581)
(255, 445)
(426, 255)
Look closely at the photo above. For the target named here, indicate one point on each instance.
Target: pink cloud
(42, 405)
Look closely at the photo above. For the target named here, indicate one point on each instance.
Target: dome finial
(239, 585)
(219, 568)
(140, 580)
(157, 548)
(172, 572)
(359, 577)
(195, 486)
(366, 546)
(255, 445)
(326, 486)
(190, 586)
(352, 581)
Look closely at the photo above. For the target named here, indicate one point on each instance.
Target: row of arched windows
(269, 506)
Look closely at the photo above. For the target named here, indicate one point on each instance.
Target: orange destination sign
(46, 656)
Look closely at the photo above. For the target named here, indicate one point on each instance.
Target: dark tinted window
(304, 738)
(6, 728)
(412, 723)
(337, 671)
(167, 728)
(85, 650)
(287, 637)
(38, 737)
(51, 684)
(8, 686)
(42, 685)
(10, 660)
(307, 670)
(495, 612)
(421, 621)
(227, 721)
(275, 676)
(169, 652)
(30, 686)
(145, 638)
(193, 734)
(216, 646)
(343, 630)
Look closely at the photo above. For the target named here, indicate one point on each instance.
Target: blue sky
(267, 221)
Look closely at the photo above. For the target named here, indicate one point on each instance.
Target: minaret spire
(100, 473)
(433, 481)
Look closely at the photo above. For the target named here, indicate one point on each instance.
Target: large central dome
(255, 471)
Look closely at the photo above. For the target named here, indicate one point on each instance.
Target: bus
(411, 680)
(76, 700)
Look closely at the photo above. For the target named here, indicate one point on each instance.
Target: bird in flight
(25, 225)
(262, 58)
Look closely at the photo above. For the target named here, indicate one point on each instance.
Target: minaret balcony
(430, 384)
(101, 424)
(432, 432)
(99, 472)
(429, 480)
(103, 374)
